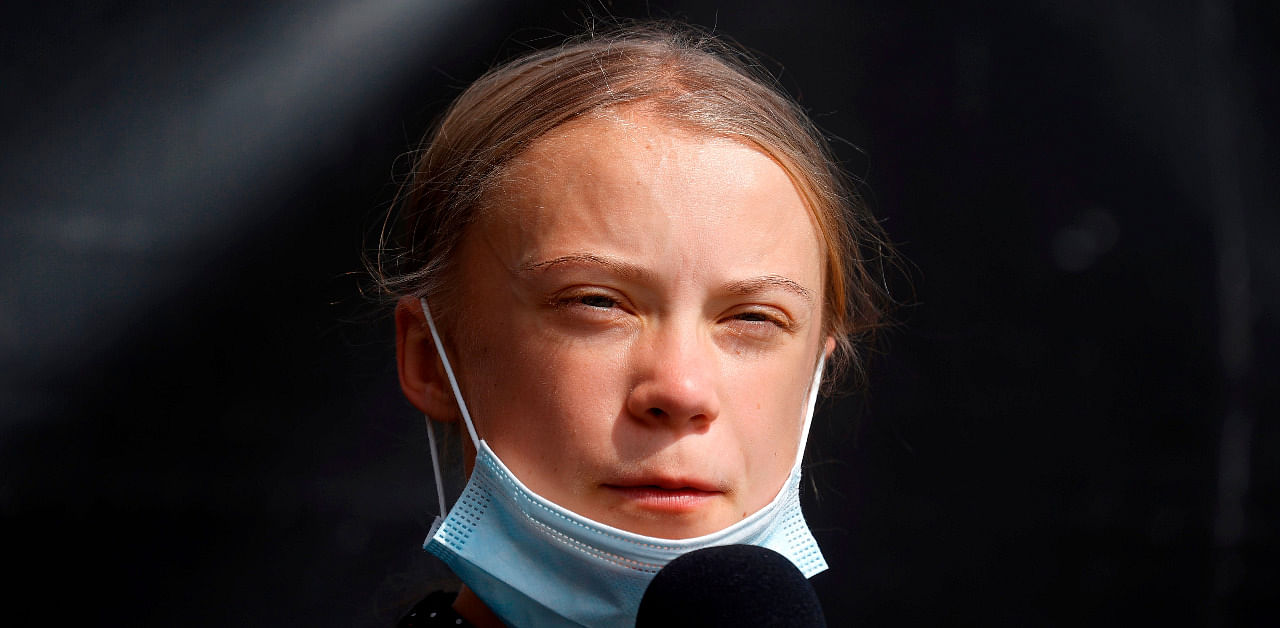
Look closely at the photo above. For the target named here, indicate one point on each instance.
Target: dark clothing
(434, 610)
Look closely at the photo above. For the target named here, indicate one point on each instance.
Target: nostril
(656, 413)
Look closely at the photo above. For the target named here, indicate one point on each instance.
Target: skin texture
(638, 322)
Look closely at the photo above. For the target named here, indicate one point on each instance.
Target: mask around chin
(537, 564)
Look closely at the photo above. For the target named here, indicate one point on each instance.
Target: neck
(473, 609)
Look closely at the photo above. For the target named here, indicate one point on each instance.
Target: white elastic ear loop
(431, 433)
(435, 467)
(448, 371)
(813, 401)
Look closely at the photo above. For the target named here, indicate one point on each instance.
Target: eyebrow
(617, 266)
(742, 287)
(757, 285)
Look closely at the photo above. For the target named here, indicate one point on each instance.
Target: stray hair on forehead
(674, 72)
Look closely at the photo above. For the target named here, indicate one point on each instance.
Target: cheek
(539, 396)
(771, 403)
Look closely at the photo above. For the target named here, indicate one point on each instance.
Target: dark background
(1075, 422)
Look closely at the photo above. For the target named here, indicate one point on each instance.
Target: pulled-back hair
(684, 76)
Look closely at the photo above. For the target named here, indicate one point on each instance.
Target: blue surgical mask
(535, 563)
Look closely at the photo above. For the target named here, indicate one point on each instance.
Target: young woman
(621, 265)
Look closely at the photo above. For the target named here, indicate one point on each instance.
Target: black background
(1074, 423)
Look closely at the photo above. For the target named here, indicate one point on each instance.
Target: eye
(585, 309)
(599, 301)
(755, 317)
(589, 300)
(761, 320)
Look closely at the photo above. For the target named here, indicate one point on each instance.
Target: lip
(670, 495)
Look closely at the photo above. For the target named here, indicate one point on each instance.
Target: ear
(422, 376)
(829, 347)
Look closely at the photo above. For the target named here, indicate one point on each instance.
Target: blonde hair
(684, 76)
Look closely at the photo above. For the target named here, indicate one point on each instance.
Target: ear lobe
(422, 377)
(829, 347)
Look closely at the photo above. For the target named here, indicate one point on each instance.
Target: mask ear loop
(431, 433)
(435, 468)
(810, 406)
(448, 371)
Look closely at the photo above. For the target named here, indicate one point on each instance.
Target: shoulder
(434, 610)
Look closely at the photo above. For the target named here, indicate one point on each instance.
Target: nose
(675, 385)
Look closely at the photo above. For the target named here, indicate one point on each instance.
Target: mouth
(666, 495)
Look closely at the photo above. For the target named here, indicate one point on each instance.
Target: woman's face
(639, 319)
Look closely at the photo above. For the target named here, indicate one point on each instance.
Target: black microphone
(730, 585)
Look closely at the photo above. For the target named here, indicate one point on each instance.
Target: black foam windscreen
(730, 585)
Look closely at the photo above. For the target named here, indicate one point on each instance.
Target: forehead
(631, 181)
(626, 142)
